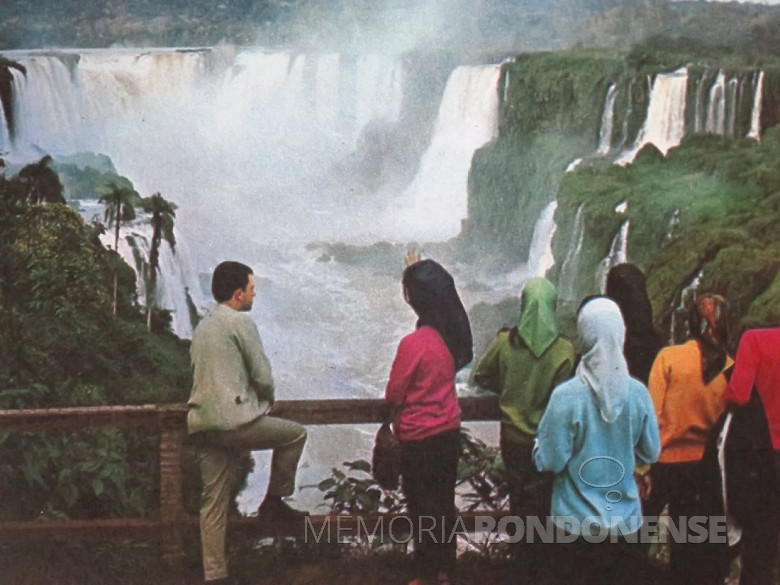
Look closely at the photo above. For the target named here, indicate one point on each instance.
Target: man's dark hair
(227, 278)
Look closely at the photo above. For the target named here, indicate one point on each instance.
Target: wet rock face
(693, 204)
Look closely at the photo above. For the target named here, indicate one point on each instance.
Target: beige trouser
(218, 454)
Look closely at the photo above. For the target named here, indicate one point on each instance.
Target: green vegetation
(162, 214)
(720, 194)
(487, 27)
(60, 346)
(711, 205)
(546, 120)
(120, 205)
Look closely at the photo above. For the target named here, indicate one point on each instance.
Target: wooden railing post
(170, 525)
(172, 435)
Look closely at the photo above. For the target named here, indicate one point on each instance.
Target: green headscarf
(537, 325)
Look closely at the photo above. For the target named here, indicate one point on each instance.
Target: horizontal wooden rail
(169, 421)
(47, 419)
(307, 412)
(99, 528)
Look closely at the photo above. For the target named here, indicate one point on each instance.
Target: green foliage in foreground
(61, 346)
(712, 206)
(481, 480)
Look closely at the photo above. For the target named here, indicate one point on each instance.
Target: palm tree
(163, 214)
(120, 208)
(43, 184)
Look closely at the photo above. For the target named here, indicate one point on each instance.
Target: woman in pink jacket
(422, 389)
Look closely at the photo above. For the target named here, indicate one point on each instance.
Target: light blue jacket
(593, 460)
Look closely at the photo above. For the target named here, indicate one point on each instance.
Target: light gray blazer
(232, 382)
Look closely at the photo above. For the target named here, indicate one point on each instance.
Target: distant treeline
(466, 26)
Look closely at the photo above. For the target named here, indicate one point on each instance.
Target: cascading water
(674, 220)
(467, 119)
(698, 123)
(716, 111)
(607, 120)
(270, 124)
(732, 92)
(178, 288)
(243, 143)
(755, 115)
(540, 260)
(664, 125)
(570, 266)
(627, 117)
(540, 255)
(678, 329)
(5, 135)
(618, 254)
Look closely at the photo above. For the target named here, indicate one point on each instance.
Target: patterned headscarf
(708, 322)
(603, 368)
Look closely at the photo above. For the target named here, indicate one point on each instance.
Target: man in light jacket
(232, 393)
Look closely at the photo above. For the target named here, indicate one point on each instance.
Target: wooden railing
(170, 522)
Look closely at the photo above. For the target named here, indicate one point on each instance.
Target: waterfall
(680, 310)
(716, 111)
(618, 254)
(239, 140)
(572, 166)
(664, 125)
(755, 115)
(698, 120)
(274, 122)
(607, 119)
(177, 278)
(627, 117)
(273, 117)
(732, 100)
(328, 100)
(379, 91)
(674, 220)
(5, 135)
(570, 266)
(540, 255)
(435, 203)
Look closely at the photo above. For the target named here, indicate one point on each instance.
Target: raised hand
(412, 257)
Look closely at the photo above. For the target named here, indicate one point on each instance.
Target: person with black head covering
(626, 286)
(421, 388)
(687, 383)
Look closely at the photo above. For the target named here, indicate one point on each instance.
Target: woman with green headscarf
(523, 364)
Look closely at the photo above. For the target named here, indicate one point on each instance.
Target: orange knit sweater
(685, 406)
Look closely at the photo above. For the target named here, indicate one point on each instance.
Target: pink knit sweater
(422, 385)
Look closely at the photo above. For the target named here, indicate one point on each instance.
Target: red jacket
(422, 385)
(758, 364)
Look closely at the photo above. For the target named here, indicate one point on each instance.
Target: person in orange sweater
(686, 384)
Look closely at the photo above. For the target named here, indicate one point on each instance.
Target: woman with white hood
(596, 426)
